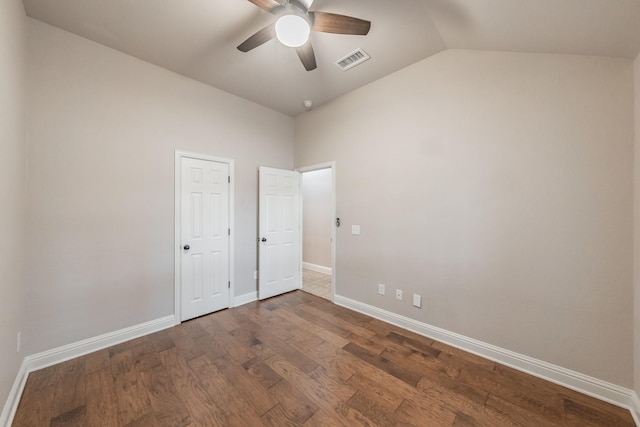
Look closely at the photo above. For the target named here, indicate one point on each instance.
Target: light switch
(417, 300)
(355, 229)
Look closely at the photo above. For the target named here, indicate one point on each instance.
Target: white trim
(316, 268)
(51, 357)
(635, 407)
(177, 299)
(80, 348)
(585, 384)
(11, 405)
(245, 298)
(334, 210)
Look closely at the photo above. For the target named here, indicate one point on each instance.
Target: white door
(279, 228)
(205, 237)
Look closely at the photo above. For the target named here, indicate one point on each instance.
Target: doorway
(318, 229)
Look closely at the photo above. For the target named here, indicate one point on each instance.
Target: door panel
(204, 230)
(279, 227)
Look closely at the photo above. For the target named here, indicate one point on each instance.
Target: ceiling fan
(295, 22)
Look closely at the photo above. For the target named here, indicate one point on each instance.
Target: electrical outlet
(380, 289)
(417, 300)
(355, 229)
(19, 339)
(399, 294)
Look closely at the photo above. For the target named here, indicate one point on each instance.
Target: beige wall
(103, 127)
(317, 217)
(636, 275)
(499, 187)
(12, 189)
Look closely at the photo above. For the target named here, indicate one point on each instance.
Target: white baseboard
(11, 405)
(318, 268)
(585, 384)
(80, 348)
(635, 408)
(57, 355)
(245, 298)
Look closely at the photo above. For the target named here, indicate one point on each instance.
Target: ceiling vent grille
(356, 57)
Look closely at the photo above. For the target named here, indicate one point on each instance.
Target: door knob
(186, 247)
(264, 239)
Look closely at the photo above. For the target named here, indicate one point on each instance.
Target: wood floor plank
(233, 347)
(200, 404)
(96, 361)
(330, 357)
(237, 410)
(333, 384)
(423, 345)
(461, 354)
(262, 372)
(413, 413)
(400, 372)
(319, 331)
(132, 396)
(521, 416)
(293, 409)
(297, 360)
(317, 394)
(167, 407)
(146, 420)
(510, 389)
(322, 419)
(332, 318)
(379, 415)
(370, 388)
(70, 391)
(36, 407)
(247, 386)
(72, 417)
(102, 402)
(455, 390)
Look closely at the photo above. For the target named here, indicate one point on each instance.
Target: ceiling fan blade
(306, 3)
(261, 37)
(306, 55)
(268, 5)
(339, 24)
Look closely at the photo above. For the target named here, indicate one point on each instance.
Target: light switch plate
(399, 294)
(380, 289)
(417, 300)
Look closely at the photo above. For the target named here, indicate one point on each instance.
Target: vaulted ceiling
(198, 38)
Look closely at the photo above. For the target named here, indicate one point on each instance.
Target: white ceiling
(198, 38)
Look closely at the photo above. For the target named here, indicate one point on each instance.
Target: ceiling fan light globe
(292, 30)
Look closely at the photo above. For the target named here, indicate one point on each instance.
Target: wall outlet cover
(399, 294)
(380, 289)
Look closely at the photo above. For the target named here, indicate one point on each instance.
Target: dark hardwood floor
(297, 360)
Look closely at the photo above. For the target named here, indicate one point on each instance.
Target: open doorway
(318, 216)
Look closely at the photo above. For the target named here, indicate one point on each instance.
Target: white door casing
(203, 236)
(279, 232)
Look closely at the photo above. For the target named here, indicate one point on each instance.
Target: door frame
(177, 281)
(302, 170)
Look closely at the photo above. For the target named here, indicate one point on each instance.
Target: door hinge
(229, 179)
(229, 284)
(229, 231)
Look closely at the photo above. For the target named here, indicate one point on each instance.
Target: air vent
(356, 57)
